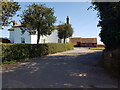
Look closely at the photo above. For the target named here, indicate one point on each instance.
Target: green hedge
(58, 47)
(21, 51)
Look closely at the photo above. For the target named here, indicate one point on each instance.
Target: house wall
(33, 39)
(11, 36)
(27, 37)
(67, 40)
(16, 35)
(53, 38)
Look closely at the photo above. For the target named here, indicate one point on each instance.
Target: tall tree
(65, 31)
(8, 10)
(39, 17)
(109, 14)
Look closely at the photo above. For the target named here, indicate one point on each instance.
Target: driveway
(78, 68)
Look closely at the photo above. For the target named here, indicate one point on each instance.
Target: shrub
(109, 15)
(21, 51)
(111, 61)
(58, 47)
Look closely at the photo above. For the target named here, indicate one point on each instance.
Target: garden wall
(21, 51)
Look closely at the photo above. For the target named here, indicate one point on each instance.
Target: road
(78, 68)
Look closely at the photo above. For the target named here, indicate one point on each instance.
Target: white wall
(16, 35)
(33, 39)
(67, 40)
(27, 37)
(11, 37)
(53, 38)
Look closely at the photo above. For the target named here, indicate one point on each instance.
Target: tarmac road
(78, 68)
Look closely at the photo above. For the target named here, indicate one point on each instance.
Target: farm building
(83, 42)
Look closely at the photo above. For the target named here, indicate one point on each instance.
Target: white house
(16, 36)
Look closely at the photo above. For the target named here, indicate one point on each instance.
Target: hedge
(111, 61)
(21, 51)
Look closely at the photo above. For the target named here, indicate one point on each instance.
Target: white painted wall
(53, 38)
(67, 40)
(16, 35)
(33, 39)
(27, 37)
(11, 37)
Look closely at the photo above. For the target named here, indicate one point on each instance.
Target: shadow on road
(69, 70)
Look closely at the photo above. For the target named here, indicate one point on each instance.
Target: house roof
(75, 37)
(88, 40)
(17, 25)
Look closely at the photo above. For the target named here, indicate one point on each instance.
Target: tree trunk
(64, 40)
(38, 36)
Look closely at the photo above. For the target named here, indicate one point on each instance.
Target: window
(22, 40)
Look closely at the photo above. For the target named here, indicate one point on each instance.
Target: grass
(14, 61)
(92, 47)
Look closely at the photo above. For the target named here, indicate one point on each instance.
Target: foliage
(59, 47)
(111, 61)
(18, 52)
(109, 14)
(39, 17)
(9, 9)
(65, 31)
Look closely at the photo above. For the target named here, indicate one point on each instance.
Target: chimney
(14, 23)
(67, 20)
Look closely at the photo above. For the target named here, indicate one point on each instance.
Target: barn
(83, 42)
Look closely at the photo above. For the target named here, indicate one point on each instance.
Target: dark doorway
(78, 44)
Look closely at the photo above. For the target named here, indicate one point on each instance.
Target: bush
(21, 51)
(111, 61)
(109, 15)
(58, 47)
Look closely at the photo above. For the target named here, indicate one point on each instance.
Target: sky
(83, 21)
